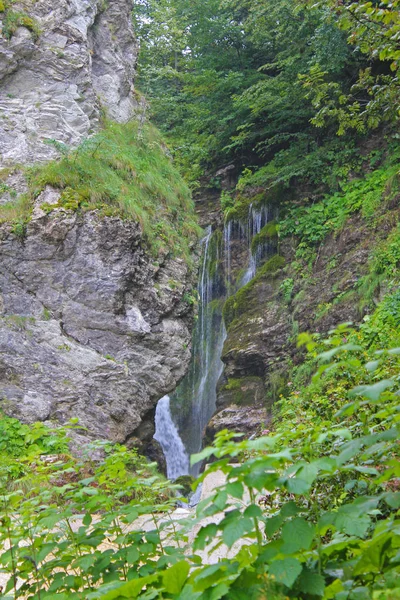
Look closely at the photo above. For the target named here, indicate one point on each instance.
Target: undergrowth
(309, 511)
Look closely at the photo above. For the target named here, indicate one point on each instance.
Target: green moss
(267, 233)
(240, 210)
(14, 19)
(244, 391)
(119, 172)
(272, 265)
(242, 301)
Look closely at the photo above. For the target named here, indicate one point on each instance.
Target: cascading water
(172, 446)
(257, 219)
(189, 409)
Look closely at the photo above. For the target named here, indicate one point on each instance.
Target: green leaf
(311, 583)
(236, 529)
(296, 485)
(290, 509)
(204, 536)
(286, 571)
(253, 511)
(329, 354)
(174, 578)
(273, 524)
(392, 499)
(373, 392)
(200, 456)
(235, 489)
(118, 589)
(297, 535)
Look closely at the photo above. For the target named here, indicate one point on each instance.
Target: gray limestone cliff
(92, 326)
(56, 80)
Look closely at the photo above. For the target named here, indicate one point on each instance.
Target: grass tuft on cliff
(123, 171)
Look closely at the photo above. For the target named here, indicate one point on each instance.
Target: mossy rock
(240, 210)
(186, 481)
(242, 301)
(268, 233)
(14, 19)
(243, 391)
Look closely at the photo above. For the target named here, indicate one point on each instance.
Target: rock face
(90, 327)
(73, 60)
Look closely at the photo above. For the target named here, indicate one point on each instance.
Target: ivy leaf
(174, 578)
(286, 571)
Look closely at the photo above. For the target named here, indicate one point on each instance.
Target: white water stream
(169, 439)
(197, 395)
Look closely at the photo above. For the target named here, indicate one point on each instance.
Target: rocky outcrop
(90, 327)
(61, 66)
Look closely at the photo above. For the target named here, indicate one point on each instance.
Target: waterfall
(172, 446)
(182, 418)
(257, 219)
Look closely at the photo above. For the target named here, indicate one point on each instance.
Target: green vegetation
(122, 171)
(13, 19)
(267, 233)
(317, 499)
(368, 196)
(266, 86)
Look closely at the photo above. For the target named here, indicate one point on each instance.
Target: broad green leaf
(200, 456)
(311, 583)
(221, 499)
(329, 354)
(286, 571)
(290, 509)
(205, 536)
(236, 529)
(235, 489)
(392, 499)
(174, 578)
(373, 392)
(297, 535)
(296, 485)
(118, 589)
(253, 511)
(273, 524)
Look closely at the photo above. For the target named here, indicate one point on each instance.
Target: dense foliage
(253, 82)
